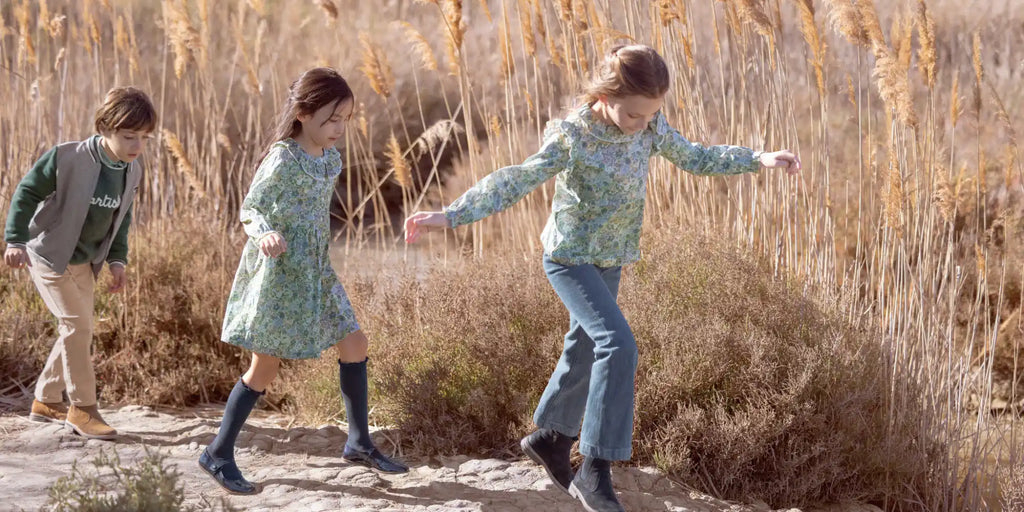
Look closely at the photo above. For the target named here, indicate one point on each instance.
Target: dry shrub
(161, 345)
(1011, 481)
(747, 388)
(459, 358)
(26, 331)
(158, 343)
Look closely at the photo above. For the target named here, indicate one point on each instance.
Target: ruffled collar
(600, 130)
(323, 167)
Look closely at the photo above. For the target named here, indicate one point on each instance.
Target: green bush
(113, 486)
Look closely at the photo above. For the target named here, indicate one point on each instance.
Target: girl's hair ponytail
(313, 90)
(629, 70)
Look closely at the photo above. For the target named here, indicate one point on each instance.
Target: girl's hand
(17, 257)
(420, 222)
(783, 159)
(118, 278)
(273, 245)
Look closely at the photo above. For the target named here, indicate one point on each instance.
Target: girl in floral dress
(286, 301)
(599, 156)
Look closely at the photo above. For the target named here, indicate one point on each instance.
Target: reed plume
(979, 72)
(526, 27)
(669, 11)
(926, 55)
(813, 39)
(420, 46)
(954, 101)
(26, 48)
(452, 12)
(183, 36)
(398, 163)
(376, 67)
(751, 13)
(330, 10)
(507, 60)
(184, 165)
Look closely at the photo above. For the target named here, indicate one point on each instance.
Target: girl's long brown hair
(628, 71)
(313, 90)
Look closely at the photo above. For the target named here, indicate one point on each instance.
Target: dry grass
(155, 344)
(907, 217)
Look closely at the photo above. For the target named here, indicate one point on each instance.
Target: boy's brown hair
(126, 108)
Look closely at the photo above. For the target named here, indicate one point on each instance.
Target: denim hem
(589, 450)
(558, 427)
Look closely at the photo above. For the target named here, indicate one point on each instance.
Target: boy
(68, 216)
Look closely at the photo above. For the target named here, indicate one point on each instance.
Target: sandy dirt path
(299, 469)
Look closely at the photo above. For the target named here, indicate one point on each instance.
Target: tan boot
(87, 422)
(48, 413)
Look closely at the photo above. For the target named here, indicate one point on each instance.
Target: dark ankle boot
(551, 450)
(592, 485)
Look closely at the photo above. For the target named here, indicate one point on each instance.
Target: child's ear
(302, 118)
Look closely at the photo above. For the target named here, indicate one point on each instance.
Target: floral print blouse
(600, 184)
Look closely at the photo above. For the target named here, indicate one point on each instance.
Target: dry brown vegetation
(881, 311)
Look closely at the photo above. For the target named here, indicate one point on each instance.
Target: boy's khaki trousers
(69, 367)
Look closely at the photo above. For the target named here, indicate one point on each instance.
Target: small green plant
(112, 486)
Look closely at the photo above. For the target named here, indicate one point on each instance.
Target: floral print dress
(600, 184)
(292, 306)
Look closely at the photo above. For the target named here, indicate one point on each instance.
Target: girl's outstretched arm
(500, 189)
(714, 160)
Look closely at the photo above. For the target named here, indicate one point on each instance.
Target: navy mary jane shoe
(374, 459)
(227, 474)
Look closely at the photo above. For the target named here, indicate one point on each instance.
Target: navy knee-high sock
(236, 411)
(354, 391)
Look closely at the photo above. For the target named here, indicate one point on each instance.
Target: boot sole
(39, 418)
(256, 488)
(75, 430)
(529, 451)
(577, 495)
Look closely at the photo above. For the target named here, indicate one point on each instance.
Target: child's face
(126, 145)
(325, 126)
(630, 113)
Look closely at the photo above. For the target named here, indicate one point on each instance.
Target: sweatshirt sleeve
(37, 185)
(266, 189)
(119, 245)
(506, 186)
(698, 159)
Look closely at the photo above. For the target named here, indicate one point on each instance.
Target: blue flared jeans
(590, 392)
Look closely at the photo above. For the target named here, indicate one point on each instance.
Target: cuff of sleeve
(16, 245)
(452, 217)
(756, 164)
(117, 262)
(260, 238)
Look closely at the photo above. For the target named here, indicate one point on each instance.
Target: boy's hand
(784, 159)
(420, 222)
(17, 257)
(118, 278)
(273, 244)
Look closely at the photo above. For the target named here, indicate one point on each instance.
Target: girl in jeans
(599, 156)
